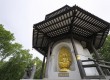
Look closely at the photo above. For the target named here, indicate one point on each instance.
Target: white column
(47, 64)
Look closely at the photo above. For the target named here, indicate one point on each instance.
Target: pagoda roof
(67, 21)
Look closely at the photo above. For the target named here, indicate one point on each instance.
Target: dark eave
(65, 21)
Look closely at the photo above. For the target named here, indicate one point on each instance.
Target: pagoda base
(53, 70)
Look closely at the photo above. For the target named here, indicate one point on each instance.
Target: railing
(94, 64)
(102, 67)
(105, 66)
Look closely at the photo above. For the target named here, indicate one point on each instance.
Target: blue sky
(18, 16)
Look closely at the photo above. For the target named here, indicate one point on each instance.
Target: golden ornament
(64, 59)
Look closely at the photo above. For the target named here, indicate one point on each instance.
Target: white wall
(74, 73)
(53, 68)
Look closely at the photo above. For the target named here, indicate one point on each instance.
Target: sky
(18, 16)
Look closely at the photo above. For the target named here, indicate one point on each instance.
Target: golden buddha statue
(64, 59)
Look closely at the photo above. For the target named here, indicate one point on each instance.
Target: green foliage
(19, 58)
(38, 68)
(14, 68)
(105, 50)
(6, 38)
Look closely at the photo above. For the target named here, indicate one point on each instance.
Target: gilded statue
(64, 59)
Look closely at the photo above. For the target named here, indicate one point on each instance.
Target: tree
(14, 69)
(38, 68)
(19, 58)
(105, 50)
(6, 38)
(35, 64)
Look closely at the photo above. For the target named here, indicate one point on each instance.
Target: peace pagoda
(67, 38)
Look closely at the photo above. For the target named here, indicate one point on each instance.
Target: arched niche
(55, 53)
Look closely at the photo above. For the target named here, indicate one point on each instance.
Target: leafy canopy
(19, 58)
(105, 50)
